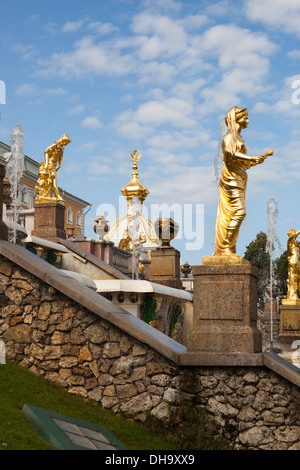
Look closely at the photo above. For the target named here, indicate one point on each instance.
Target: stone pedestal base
(165, 267)
(49, 221)
(290, 319)
(225, 310)
(3, 226)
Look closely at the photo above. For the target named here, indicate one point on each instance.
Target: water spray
(14, 171)
(271, 239)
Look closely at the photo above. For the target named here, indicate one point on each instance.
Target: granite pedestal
(165, 267)
(49, 221)
(225, 309)
(289, 320)
(3, 227)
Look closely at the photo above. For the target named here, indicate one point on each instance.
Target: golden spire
(135, 188)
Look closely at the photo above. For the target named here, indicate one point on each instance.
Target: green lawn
(18, 386)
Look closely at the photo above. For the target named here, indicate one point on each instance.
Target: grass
(19, 386)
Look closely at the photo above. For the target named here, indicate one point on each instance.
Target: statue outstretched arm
(254, 160)
(297, 243)
(294, 235)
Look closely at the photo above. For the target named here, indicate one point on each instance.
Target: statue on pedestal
(47, 171)
(293, 247)
(233, 182)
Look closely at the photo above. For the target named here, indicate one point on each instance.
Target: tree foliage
(281, 273)
(256, 253)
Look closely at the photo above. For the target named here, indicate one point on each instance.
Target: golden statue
(293, 248)
(47, 171)
(233, 182)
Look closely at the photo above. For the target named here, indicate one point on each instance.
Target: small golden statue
(293, 267)
(233, 182)
(47, 171)
(135, 158)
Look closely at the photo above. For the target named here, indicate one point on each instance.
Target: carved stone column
(3, 227)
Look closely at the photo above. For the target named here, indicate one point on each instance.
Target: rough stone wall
(53, 336)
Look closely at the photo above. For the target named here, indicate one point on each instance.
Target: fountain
(218, 162)
(271, 239)
(14, 171)
(133, 231)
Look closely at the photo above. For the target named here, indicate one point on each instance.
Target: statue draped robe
(232, 200)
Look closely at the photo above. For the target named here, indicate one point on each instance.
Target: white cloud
(166, 5)
(234, 46)
(193, 21)
(96, 169)
(92, 122)
(74, 167)
(243, 64)
(283, 14)
(172, 141)
(166, 37)
(31, 89)
(85, 59)
(27, 50)
(172, 111)
(72, 26)
(27, 89)
(294, 54)
(222, 8)
(285, 101)
(33, 17)
(186, 90)
(160, 73)
(189, 185)
(54, 91)
(127, 126)
(151, 114)
(86, 147)
(77, 109)
(102, 28)
(158, 51)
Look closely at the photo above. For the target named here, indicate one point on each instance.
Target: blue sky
(158, 76)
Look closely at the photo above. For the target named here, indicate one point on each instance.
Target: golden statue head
(236, 117)
(64, 140)
(291, 232)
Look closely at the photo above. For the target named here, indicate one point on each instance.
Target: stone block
(225, 310)
(3, 227)
(49, 221)
(290, 320)
(165, 267)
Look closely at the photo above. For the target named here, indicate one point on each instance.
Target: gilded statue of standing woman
(293, 248)
(233, 182)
